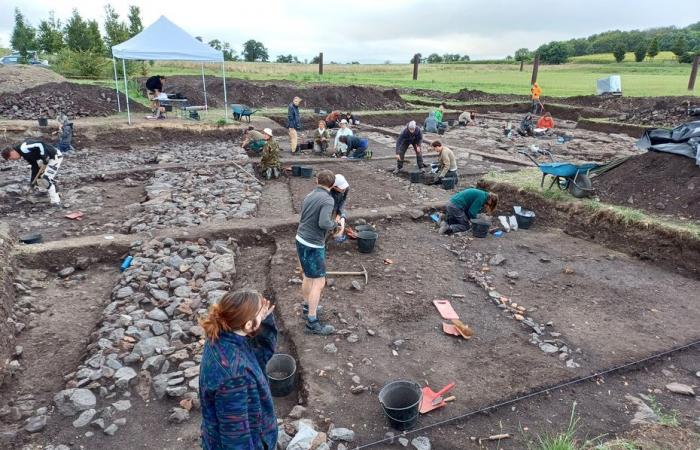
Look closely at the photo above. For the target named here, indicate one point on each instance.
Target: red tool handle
(445, 389)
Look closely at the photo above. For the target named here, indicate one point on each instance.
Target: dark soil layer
(660, 183)
(140, 136)
(674, 250)
(74, 100)
(7, 298)
(280, 93)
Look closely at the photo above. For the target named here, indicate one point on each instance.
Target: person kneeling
(447, 164)
(464, 207)
(270, 162)
(254, 141)
(357, 147)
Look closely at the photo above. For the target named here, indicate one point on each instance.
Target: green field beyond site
(657, 78)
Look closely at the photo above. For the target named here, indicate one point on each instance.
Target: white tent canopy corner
(165, 41)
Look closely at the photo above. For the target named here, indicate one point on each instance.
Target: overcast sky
(373, 31)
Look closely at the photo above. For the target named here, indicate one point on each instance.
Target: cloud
(374, 31)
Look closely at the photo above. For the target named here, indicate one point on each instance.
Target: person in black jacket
(293, 123)
(154, 86)
(45, 160)
(410, 136)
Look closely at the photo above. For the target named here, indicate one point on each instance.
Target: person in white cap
(339, 147)
(339, 192)
(270, 162)
(410, 136)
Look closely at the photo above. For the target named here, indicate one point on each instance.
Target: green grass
(604, 58)
(669, 419)
(529, 180)
(565, 440)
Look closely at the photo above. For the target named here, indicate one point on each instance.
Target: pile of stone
(183, 199)
(148, 340)
(298, 433)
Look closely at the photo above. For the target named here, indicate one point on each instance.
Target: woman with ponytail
(237, 409)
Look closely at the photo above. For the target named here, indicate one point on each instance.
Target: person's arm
(265, 342)
(34, 172)
(341, 204)
(419, 140)
(400, 140)
(476, 207)
(290, 117)
(325, 221)
(231, 407)
(444, 165)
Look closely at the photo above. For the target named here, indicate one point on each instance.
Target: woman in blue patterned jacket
(237, 409)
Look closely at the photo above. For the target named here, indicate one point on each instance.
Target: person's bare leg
(306, 288)
(317, 285)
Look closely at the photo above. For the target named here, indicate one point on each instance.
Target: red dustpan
(433, 400)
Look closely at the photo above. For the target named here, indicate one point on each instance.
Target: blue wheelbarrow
(242, 111)
(567, 176)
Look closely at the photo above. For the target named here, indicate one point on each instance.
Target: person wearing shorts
(315, 221)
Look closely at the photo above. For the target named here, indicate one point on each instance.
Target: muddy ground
(574, 307)
(661, 183)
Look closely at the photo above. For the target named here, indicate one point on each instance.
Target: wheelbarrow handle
(523, 152)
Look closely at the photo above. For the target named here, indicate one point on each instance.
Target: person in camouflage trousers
(270, 163)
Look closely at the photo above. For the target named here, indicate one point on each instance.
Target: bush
(686, 58)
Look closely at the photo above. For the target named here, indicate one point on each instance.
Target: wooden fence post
(535, 69)
(693, 73)
(416, 60)
(320, 63)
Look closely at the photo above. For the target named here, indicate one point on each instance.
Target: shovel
(433, 400)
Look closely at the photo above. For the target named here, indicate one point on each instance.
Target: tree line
(683, 42)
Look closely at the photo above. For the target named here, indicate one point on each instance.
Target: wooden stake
(535, 69)
(693, 73)
(320, 63)
(416, 60)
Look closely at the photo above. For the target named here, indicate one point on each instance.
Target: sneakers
(444, 227)
(316, 327)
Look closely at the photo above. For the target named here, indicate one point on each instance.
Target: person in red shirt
(545, 121)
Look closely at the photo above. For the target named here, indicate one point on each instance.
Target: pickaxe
(364, 272)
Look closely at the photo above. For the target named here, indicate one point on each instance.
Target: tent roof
(165, 41)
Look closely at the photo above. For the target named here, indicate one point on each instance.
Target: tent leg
(126, 92)
(116, 84)
(223, 72)
(204, 83)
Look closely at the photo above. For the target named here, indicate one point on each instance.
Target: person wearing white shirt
(341, 148)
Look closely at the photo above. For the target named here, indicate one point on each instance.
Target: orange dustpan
(433, 400)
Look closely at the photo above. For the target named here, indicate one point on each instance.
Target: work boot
(305, 310)
(315, 327)
(444, 227)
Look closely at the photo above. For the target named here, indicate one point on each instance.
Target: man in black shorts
(154, 86)
(45, 160)
(316, 219)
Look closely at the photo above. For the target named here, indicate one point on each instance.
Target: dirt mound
(74, 100)
(17, 78)
(476, 96)
(280, 93)
(660, 183)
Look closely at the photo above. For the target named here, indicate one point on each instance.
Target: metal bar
(204, 83)
(116, 84)
(126, 92)
(223, 72)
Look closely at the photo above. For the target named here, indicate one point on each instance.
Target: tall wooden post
(535, 68)
(416, 60)
(522, 63)
(693, 73)
(320, 63)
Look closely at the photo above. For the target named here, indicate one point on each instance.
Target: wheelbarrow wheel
(581, 186)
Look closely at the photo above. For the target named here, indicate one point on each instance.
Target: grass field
(657, 78)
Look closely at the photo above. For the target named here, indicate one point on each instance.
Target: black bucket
(480, 228)
(451, 122)
(43, 122)
(366, 227)
(416, 176)
(449, 183)
(441, 131)
(525, 219)
(366, 241)
(32, 238)
(281, 372)
(400, 401)
(306, 172)
(296, 171)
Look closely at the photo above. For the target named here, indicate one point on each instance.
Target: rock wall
(7, 298)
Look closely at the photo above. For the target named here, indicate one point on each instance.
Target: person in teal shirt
(465, 206)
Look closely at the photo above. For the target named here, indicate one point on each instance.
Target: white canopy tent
(165, 41)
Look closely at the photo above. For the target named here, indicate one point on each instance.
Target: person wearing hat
(410, 136)
(293, 122)
(339, 192)
(270, 163)
(341, 148)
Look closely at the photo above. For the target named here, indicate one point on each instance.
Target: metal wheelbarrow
(567, 176)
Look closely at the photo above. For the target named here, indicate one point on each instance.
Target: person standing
(236, 403)
(535, 93)
(315, 221)
(293, 123)
(44, 159)
(341, 148)
(465, 206)
(410, 136)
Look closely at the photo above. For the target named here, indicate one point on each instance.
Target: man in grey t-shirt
(315, 221)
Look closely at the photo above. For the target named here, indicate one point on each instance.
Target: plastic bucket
(281, 372)
(451, 122)
(296, 171)
(480, 228)
(416, 176)
(366, 241)
(449, 183)
(400, 401)
(43, 122)
(32, 238)
(441, 131)
(367, 227)
(525, 219)
(306, 172)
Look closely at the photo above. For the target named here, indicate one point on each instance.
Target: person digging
(410, 136)
(253, 141)
(339, 191)
(315, 221)
(464, 207)
(447, 163)
(270, 162)
(44, 159)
